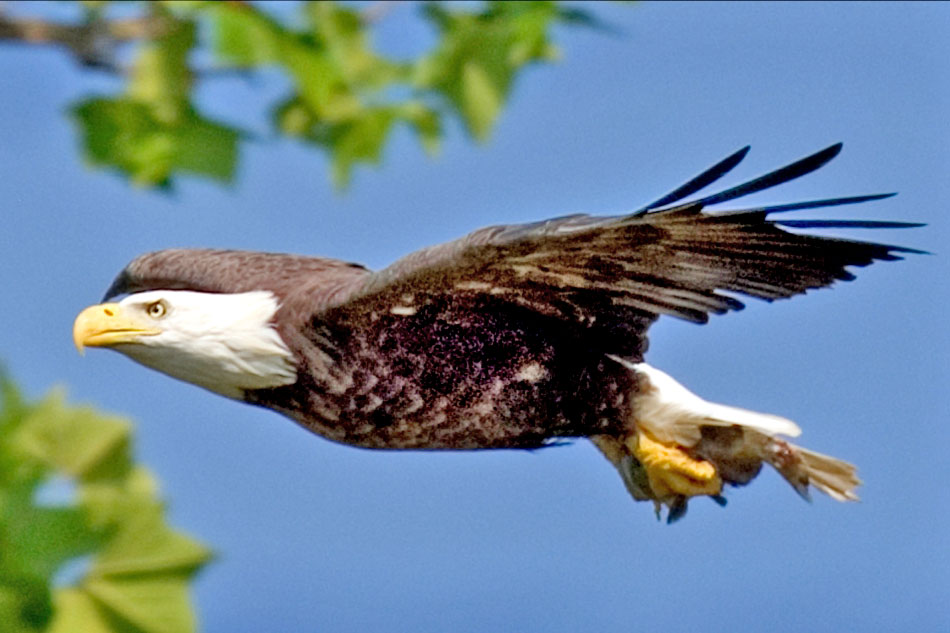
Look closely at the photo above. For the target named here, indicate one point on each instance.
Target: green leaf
(243, 36)
(25, 606)
(481, 101)
(76, 610)
(183, 7)
(137, 580)
(246, 37)
(344, 96)
(108, 502)
(41, 539)
(360, 140)
(144, 544)
(141, 576)
(75, 441)
(14, 469)
(293, 117)
(161, 77)
(14, 407)
(318, 81)
(122, 133)
(341, 32)
(154, 132)
(206, 148)
(426, 123)
(149, 604)
(479, 53)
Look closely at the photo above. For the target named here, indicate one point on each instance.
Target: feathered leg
(681, 446)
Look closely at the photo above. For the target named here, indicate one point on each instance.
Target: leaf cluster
(135, 568)
(344, 97)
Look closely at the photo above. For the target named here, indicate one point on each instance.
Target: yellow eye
(156, 310)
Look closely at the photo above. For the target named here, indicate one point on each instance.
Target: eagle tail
(835, 477)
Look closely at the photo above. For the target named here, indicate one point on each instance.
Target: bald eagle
(517, 336)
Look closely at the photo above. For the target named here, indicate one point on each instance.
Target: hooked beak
(106, 325)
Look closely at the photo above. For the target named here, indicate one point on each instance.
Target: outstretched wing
(676, 260)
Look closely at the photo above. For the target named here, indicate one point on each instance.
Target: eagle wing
(670, 259)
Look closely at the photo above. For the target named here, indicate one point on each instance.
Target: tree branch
(92, 43)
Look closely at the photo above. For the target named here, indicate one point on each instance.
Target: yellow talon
(671, 471)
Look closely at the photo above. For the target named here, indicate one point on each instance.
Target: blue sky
(315, 536)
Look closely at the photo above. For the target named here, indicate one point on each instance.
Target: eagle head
(226, 343)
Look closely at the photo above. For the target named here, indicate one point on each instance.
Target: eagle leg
(662, 473)
(677, 446)
(671, 471)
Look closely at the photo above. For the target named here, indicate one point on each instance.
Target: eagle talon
(662, 473)
(671, 472)
(677, 509)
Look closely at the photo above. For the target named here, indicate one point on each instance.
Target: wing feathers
(680, 260)
(817, 204)
(850, 224)
(782, 175)
(701, 181)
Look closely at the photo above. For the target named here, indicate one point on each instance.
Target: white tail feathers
(834, 477)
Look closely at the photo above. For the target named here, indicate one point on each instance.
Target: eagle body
(459, 371)
(512, 336)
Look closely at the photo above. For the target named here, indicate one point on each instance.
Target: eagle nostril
(109, 312)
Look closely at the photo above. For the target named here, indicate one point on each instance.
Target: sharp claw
(665, 474)
(677, 510)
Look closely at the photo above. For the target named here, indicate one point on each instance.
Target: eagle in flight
(517, 336)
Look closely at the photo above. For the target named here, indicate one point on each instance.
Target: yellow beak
(107, 324)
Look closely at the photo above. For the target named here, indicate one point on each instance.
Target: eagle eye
(156, 309)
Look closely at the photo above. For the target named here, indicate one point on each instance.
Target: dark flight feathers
(672, 260)
(677, 260)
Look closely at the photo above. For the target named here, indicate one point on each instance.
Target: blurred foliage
(72, 499)
(344, 98)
